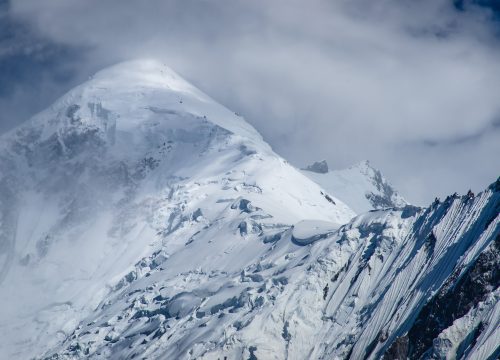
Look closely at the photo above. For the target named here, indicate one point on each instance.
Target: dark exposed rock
(285, 333)
(252, 350)
(244, 205)
(398, 349)
(328, 198)
(320, 167)
(452, 302)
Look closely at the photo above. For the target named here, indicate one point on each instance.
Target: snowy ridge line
(362, 186)
(347, 263)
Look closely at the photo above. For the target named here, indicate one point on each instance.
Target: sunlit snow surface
(361, 186)
(134, 161)
(139, 218)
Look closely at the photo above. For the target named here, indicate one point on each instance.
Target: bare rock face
(320, 167)
(398, 349)
(455, 300)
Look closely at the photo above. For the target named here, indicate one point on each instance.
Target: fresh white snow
(114, 167)
(361, 186)
(139, 218)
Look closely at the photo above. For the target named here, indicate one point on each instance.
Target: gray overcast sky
(412, 86)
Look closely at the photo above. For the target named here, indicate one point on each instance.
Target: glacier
(140, 219)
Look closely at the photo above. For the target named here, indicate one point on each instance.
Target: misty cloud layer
(412, 86)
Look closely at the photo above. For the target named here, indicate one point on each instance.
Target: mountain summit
(136, 163)
(141, 219)
(361, 186)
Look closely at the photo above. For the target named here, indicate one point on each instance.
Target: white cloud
(344, 80)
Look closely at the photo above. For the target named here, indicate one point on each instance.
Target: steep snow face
(378, 287)
(400, 268)
(135, 164)
(361, 186)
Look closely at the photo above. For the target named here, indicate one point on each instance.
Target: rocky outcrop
(320, 167)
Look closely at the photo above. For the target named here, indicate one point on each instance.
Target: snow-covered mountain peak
(144, 72)
(363, 166)
(162, 89)
(141, 219)
(131, 165)
(361, 186)
(125, 104)
(366, 168)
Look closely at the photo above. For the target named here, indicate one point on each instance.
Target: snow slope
(361, 186)
(132, 162)
(140, 219)
(370, 290)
